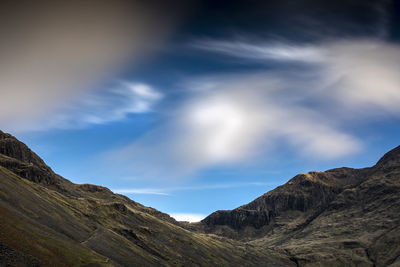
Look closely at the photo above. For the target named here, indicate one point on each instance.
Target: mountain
(340, 217)
(48, 221)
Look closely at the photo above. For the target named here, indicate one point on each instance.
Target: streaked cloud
(359, 73)
(112, 105)
(167, 191)
(267, 51)
(363, 76)
(100, 107)
(141, 191)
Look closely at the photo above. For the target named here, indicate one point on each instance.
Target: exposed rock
(305, 193)
(240, 218)
(390, 160)
(13, 148)
(18, 158)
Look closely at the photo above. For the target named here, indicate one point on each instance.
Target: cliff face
(305, 193)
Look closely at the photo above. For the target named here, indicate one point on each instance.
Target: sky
(195, 106)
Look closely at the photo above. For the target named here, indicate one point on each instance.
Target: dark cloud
(295, 20)
(394, 33)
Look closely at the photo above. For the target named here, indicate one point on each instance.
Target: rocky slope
(301, 198)
(334, 218)
(48, 221)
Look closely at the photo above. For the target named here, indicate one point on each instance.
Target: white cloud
(102, 107)
(356, 73)
(116, 104)
(141, 191)
(188, 217)
(232, 120)
(243, 114)
(364, 76)
(267, 51)
(167, 191)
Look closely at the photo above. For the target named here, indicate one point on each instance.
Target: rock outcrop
(17, 157)
(305, 193)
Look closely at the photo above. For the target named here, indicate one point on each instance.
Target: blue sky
(206, 107)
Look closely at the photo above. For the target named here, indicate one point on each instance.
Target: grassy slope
(42, 226)
(31, 242)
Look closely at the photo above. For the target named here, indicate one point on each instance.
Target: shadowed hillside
(47, 220)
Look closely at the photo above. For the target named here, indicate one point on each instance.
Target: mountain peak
(5, 135)
(13, 148)
(390, 159)
(20, 159)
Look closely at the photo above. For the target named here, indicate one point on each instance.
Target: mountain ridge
(333, 178)
(341, 216)
(49, 221)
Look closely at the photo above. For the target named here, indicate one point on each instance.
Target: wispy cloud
(141, 191)
(267, 51)
(112, 105)
(228, 123)
(355, 74)
(100, 107)
(363, 76)
(167, 191)
(231, 118)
